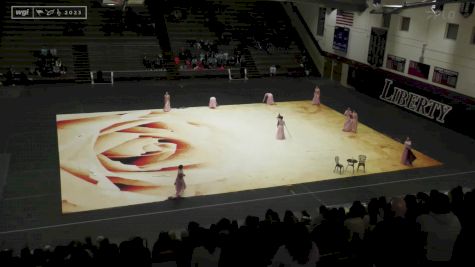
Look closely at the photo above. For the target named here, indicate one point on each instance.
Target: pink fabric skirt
(354, 125)
(280, 133)
(167, 107)
(407, 157)
(213, 103)
(347, 127)
(180, 187)
(270, 99)
(316, 100)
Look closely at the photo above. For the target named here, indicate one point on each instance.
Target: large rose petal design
(109, 151)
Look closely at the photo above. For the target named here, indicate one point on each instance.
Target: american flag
(344, 18)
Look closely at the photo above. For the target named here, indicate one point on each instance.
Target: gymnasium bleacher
(112, 40)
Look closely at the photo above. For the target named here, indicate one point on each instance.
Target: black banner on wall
(440, 105)
(377, 46)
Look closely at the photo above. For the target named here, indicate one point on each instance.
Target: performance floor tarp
(122, 158)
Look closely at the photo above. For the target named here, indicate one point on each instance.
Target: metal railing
(306, 35)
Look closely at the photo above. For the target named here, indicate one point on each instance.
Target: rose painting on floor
(114, 159)
(121, 157)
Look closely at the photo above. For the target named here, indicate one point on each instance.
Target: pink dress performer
(166, 100)
(316, 96)
(212, 102)
(347, 125)
(180, 184)
(354, 122)
(407, 156)
(268, 99)
(280, 128)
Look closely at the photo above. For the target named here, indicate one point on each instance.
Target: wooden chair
(351, 163)
(361, 162)
(338, 165)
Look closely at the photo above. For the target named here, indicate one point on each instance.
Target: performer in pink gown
(280, 127)
(180, 184)
(268, 99)
(212, 102)
(407, 156)
(166, 100)
(347, 125)
(316, 96)
(354, 121)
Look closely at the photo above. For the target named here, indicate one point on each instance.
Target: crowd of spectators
(418, 230)
(205, 54)
(11, 78)
(48, 64)
(154, 63)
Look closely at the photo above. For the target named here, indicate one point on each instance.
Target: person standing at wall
(213, 103)
(316, 96)
(166, 100)
(268, 99)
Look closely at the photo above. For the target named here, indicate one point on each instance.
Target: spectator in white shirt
(441, 228)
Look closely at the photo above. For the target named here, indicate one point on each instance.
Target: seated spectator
(384, 209)
(298, 249)
(306, 219)
(373, 217)
(9, 76)
(272, 70)
(107, 253)
(354, 222)
(412, 209)
(290, 218)
(24, 78)
(26, 257)
(330, 236)
(456, 201)
(441, 228)
(395, 241)
(164, 249)
(317, 220)
(464, 246)
(207, 253)
(146, 62)
(423, 203)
